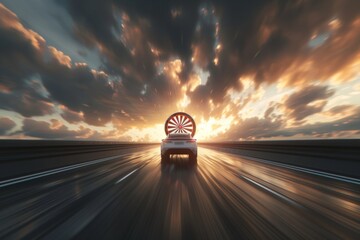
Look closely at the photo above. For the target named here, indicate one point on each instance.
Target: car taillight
(166, 141)
(191, 140)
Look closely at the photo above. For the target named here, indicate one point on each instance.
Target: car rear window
(179, 136)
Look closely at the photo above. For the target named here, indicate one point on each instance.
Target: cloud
(20, 50)
(162, 56)
(55, 130)
(127, 32)
(20, 62)
(71, 116)
(27, 101)
(204, 38)
(253, 128)
(81, 89)
(333, 128)
(267, 40)
(6, 124)
(265, 128)
(340, 111)
(139, 41)
(97, 95)
(307, 101)
(60, 57)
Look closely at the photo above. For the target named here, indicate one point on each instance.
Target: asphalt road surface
(128, 194)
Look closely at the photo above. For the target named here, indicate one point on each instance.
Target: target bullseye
(180, 122)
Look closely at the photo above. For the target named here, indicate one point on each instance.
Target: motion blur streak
(225, 196)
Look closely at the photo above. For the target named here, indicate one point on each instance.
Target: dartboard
(180, 122)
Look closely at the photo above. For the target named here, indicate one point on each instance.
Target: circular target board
(180, 122)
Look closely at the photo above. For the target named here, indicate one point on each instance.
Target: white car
(178, 143)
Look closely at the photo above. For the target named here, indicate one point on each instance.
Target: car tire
(193, 158)
(164, 159)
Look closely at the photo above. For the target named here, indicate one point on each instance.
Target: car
(179, 143)
(180, 129)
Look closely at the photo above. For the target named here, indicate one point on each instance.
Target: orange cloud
(11, 21)
(60, 57)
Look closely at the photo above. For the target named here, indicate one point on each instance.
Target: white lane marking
(13, 181)
(271, 191)
(127, 175)
(306, 170)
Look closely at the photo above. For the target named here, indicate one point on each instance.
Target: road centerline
(127, 175)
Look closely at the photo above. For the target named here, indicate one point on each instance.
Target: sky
(115, 70)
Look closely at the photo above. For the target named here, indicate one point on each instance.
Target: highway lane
(130, 195)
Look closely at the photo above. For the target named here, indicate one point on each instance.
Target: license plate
(179, 143)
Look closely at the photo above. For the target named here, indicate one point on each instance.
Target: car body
(178, 143)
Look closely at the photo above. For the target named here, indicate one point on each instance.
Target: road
(128, 194)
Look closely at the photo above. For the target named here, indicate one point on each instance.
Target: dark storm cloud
(25, 58)
(34, 77)
(263, 39)
(81, 90)
(204, 38)
(20, 62)
(26, 101)
(126, 31)
(170, 28)
(260, 38)
(299, 103)
(20, 51)
(133, 38)
(6, 124)
(55, 130)
(268, 39)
